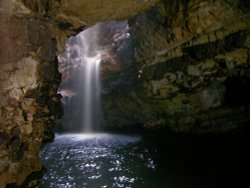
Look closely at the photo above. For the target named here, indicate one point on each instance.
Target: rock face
(192, 68)
(28, 99)
(70, 17)
(31, 31)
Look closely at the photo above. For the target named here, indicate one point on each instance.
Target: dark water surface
(114, 161)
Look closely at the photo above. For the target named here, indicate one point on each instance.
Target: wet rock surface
(70, 17)
(28, 100)
(192, 60)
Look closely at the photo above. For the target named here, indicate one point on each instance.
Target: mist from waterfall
(108, 43)
(81, 92)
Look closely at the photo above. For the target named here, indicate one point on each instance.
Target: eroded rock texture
(28, 99)
(70, 17)
(192, 68)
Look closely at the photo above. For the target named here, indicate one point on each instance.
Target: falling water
(91, 94)
(82, 101)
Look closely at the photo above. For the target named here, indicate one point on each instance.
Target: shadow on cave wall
(238, 92)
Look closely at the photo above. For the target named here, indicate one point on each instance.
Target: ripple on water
(95, 160)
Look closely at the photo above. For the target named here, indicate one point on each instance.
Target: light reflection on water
(96, 161)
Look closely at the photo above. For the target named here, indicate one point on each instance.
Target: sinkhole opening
(88, 59)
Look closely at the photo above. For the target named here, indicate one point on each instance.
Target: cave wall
(32, 32)
(191, 72)
(28, 99)
(68, 17)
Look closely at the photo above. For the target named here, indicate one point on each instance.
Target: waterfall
(80, 87)
(90, 60)
(79, 64)
(91, 94)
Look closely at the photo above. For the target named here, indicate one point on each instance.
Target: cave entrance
(87, 59)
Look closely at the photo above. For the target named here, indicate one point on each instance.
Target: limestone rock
(70, 17)
(27, 52)
(192, 68)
